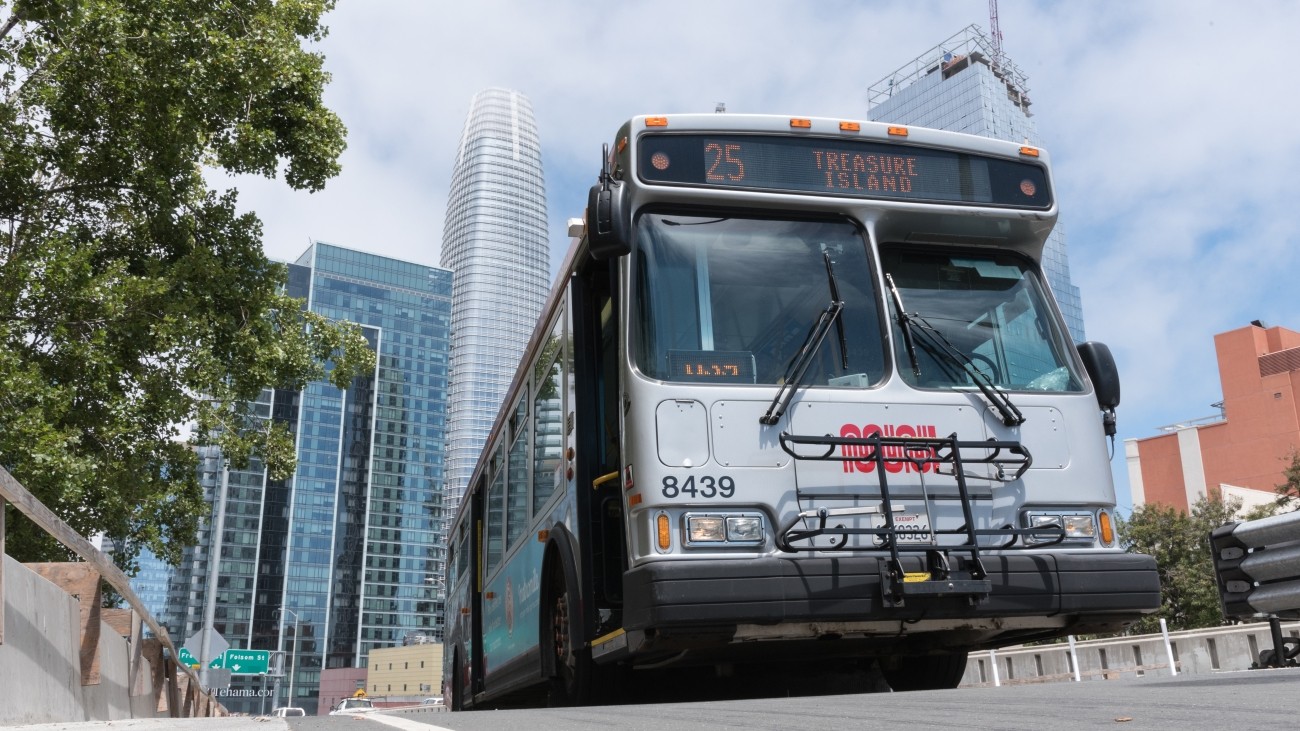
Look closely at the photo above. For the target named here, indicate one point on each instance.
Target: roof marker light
(801, 123)
(850, 127)
(898, 131)
(1029, 151)
(656, 121)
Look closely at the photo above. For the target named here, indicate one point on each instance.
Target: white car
(288, 711)
(349, 706)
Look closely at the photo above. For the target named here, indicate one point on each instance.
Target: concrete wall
(40, 663)
(40, 660)
(1194, 651)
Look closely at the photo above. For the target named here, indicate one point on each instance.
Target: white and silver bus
(800, 394)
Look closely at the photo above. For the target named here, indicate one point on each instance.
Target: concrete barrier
(1235, 647)
(63, 657)
(40, 666)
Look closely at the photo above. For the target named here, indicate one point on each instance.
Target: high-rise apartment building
(495, 241)
(348, 555)
(966, 85)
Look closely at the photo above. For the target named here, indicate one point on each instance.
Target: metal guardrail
(1257, 569)
(197, 698)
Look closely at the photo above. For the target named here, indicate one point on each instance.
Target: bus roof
(824, 126)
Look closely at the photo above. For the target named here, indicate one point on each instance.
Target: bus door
(478, 496)
(596, 361)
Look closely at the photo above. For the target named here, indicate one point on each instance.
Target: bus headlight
(1079, 527)
(745, 529)
(724, 528)
(705, 529)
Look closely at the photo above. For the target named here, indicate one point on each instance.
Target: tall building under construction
(966, 84)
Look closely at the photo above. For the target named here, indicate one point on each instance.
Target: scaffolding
(970, 45)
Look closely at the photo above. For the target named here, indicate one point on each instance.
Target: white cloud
(1172, 126)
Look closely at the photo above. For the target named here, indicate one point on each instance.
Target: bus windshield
(981, 311)
(732, 300)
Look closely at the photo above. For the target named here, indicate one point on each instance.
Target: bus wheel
(572, 661)
(924, 672)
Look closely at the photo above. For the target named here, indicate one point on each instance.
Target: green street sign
(247, 662)
(187, 658)
(216, 663)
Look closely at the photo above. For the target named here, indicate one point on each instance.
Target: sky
(1173, 127)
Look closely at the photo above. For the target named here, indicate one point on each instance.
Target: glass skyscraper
(347, 555)
(495, 242)
(963, 85)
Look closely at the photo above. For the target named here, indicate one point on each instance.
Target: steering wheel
(986, 366)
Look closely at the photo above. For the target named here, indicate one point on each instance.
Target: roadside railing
(176, 688)
(1257, 568)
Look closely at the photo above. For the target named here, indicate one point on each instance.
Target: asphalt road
(1258, 699)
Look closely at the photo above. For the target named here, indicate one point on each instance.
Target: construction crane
(995, 33)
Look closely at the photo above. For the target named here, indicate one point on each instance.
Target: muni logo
(897, 458)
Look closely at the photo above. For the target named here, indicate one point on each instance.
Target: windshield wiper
(937, 344)
(794, 372)
(904, 324)
(934, 342)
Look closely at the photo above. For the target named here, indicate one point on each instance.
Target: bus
(800, 397)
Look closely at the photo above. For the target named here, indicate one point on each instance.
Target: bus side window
(517, 475)
(496, 516)
(548, 418)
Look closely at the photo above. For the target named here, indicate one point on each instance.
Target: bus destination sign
(831, 166)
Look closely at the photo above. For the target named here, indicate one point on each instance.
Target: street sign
(218, 679)
(194, 643)
(187, 658)
(247, 662)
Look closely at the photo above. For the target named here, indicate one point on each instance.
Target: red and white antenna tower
(995, 32)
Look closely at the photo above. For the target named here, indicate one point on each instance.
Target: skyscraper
(495, 242)
(347, 555)
(966, 85)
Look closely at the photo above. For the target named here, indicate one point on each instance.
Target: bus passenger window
(496, 520)
(548, 419)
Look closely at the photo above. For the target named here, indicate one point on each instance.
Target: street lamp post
(293, 654)
(218, 527)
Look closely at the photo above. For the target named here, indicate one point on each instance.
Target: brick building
(1244, 450)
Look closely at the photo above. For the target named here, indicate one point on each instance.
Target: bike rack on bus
(949, 456)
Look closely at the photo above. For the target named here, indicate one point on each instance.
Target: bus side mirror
(607, 215)
(607, 222)
(1100, 365)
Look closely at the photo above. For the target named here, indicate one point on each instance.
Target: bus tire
(571, 659)
(924, 672)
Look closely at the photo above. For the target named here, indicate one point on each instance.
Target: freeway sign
(247, 662)
(187, 658)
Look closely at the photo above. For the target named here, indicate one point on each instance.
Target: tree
(1180, 544)
(134, 299)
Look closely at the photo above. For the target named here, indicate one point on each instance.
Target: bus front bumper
(1073, 592)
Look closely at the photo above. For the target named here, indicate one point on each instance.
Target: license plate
(911, 528)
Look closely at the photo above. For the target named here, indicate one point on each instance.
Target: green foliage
(1180, 544)
(138, 312)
